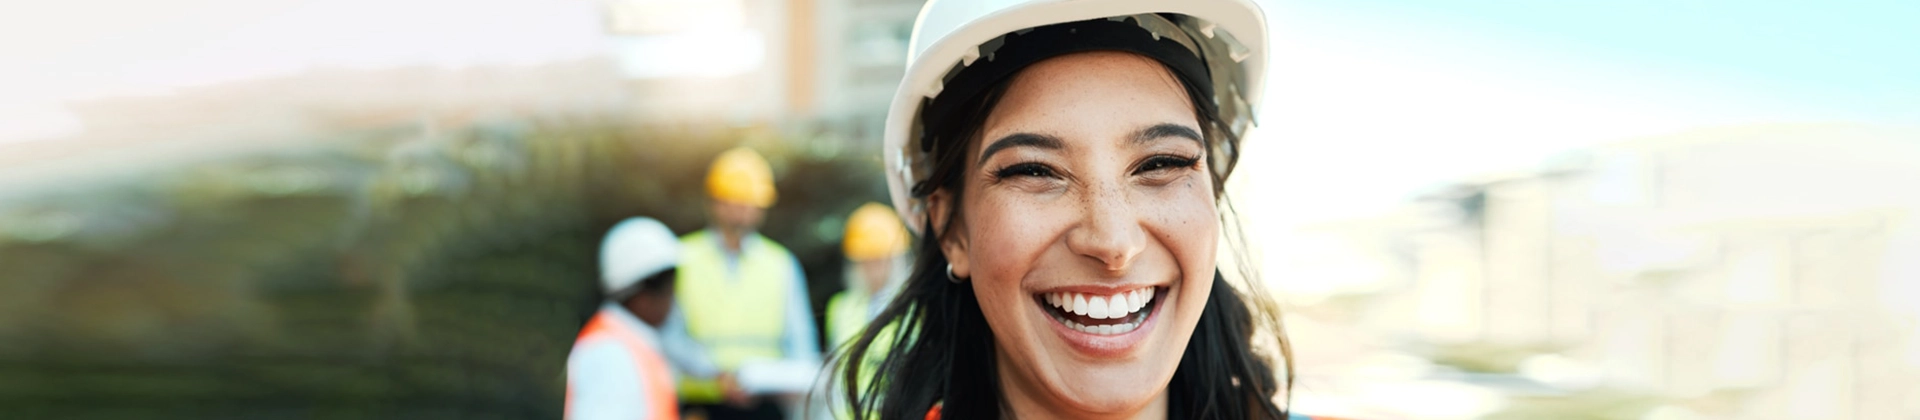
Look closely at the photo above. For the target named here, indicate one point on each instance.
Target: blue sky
(1850, 59)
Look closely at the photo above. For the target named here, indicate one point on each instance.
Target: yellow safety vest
(846, 317)
(736, 314)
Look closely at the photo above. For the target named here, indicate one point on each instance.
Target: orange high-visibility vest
(650, 366)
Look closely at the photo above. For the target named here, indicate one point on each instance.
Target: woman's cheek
(1007, 231)
(1190, 222)
(1183, 203)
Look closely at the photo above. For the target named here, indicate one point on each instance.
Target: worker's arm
(801, 342)
(602, 383)
(689, 359)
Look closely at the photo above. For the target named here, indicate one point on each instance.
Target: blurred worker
(742, 298)
(616, 370)
(875, 242)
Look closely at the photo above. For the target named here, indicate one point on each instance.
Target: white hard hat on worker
(1229, 35)
(634, 250)
(616, 368)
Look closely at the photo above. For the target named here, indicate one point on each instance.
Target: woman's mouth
(1101, 314)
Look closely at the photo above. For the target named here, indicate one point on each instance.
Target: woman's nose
(1109, 230)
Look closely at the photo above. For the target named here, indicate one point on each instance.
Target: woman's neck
(1025, 400)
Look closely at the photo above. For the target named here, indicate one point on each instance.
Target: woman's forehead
(1093, 94)
(1079, 74)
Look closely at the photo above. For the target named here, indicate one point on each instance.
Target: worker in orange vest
(617, 370)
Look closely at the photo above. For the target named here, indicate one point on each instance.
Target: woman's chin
(1115, 373)
(1110, 389)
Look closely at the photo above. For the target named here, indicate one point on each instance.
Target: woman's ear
(950, 231)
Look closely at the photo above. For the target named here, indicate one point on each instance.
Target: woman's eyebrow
(1021, 140)
(1165, 130)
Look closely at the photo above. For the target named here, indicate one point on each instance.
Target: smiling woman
(1064, 162)
(1101, 217)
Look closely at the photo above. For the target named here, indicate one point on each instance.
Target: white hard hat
(1229, 36)
(635, 249)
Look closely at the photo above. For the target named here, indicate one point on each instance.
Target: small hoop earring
(951, 277)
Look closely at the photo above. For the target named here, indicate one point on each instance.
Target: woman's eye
(1166, 162)
(1024, 169)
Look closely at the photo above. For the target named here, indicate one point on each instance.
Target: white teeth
(1116, 306)
(1104, 329)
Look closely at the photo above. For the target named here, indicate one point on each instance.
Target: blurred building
(1756, 273)
(824, 67)
(281, 111)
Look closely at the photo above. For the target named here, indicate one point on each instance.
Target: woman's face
(1088, 228)
(875, 273)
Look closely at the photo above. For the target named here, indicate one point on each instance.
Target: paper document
(776, 377)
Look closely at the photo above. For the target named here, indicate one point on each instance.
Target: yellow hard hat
(873, 232)
(741, 176)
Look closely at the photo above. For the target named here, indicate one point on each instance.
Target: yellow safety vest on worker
(847, 316)
(848, 313)
(735, 313)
